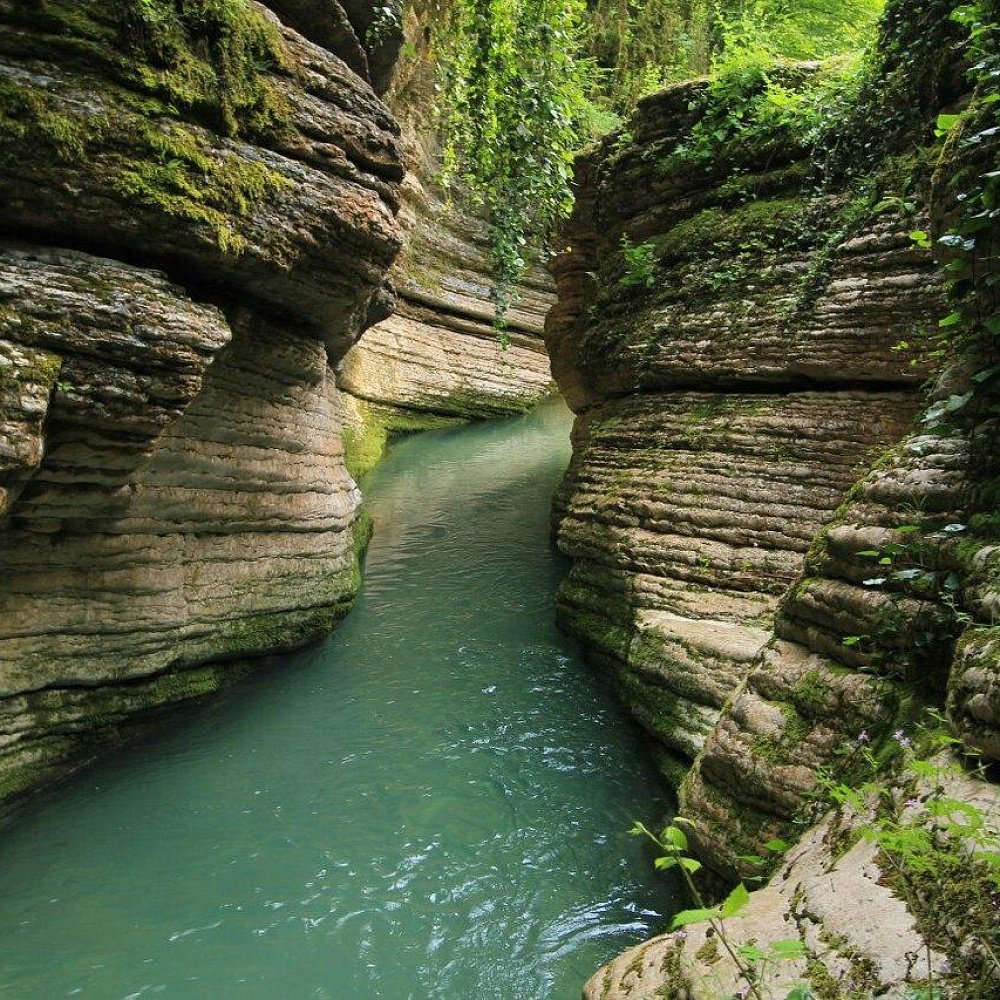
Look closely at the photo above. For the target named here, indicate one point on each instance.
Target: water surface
(433, 803)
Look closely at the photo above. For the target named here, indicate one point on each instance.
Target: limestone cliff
(438, 355)
(199, 212)
(738, 344)
(726, 402)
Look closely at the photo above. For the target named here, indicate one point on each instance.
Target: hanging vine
(512, 99)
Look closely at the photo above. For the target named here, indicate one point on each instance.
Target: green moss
(176, 171)
(598, 632)
(208, 59)
(709, 951)
(368, 435)
(780, 749)
(30, 116)
(764, 224)
(955, 904)
(657, 708)
(280, 630)
(150, 160)
(672, 766)
(811, 693)
(821, 983)
(43, 369)
(17, 780)
(364, 445)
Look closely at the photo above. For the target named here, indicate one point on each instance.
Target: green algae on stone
(152, 159)
(208, 58)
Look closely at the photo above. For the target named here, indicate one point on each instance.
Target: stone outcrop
(858, 937)
(733, 376)
(781, 573)
(179, 269)
(439, 354)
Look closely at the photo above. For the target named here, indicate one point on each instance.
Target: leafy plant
(922, 615)
(511, 103)
(936, 847)
(754, 962)
(639, 264)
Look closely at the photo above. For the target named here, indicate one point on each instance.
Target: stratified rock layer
(781, 573)
(439, 353)
(731, 385)
(173, 493)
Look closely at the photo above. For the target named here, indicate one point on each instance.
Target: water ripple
(431, 805)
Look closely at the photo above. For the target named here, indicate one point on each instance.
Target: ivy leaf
(777, 845)
(735, 901)
(686, 917)
(945, 123)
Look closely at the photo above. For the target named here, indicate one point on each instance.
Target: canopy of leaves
(525, 82)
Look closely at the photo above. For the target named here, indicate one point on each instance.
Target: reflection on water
(430, 804)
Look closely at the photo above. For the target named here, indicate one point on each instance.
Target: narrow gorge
(237, 257)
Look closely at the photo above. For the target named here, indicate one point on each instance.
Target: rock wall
(438, 355)
(727, 398)
(781, 573)
(188, 242)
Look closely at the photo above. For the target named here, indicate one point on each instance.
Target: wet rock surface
(173, 296)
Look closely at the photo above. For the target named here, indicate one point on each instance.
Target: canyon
(221, 292)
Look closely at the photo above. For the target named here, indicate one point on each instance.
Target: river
(432, 803)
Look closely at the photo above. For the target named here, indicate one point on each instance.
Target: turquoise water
(433, 803)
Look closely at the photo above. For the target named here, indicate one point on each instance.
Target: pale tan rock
(440, 351)
(172, 478)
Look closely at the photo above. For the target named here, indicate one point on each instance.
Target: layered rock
(783, 575)
(175, 282)
(440, 353)
(728, 346)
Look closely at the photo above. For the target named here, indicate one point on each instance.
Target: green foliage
(512, 102)
(641, 47)
(904, 81)
(769, 106)
(796, 29)
(638, 264)
(922, 615)
(971, 246)
(937, 849)
(754, 962)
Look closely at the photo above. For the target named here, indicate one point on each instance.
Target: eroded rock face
(173, 493)
(782, 573)
(439, 354)
(732, 379)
